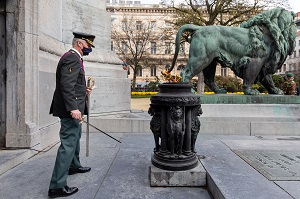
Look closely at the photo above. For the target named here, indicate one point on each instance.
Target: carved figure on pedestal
(172, 112)
(155, 126)
(195, 126)
(176, 129)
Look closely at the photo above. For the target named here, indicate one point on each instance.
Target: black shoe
(62, 192)
(79, 170)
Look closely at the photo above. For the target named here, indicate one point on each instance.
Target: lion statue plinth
(253, 51)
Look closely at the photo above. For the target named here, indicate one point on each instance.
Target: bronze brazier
(175, 126)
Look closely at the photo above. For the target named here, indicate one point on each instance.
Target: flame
(171, 78)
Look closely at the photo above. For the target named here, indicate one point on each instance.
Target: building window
(139, 71)
(298, 42)
(153, 25)
(124, 47)
(153, 47)
(291, 67)
(122, 1)
(153, 71)
(129, 2)
(299, 53)
(168, 25)
(139, 46)
(168, 48)
(223, 71)
(182, 49)
(180, 67)
(124, 25)
(294, 54)
(139, 25)
(284, 67)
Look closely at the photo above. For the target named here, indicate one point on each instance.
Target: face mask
(86, 51)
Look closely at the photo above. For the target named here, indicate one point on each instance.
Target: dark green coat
(70, 90)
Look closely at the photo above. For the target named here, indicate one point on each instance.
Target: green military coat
(70, 90)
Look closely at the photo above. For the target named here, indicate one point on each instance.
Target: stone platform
(234, 119)
(121, 170)
(275, 165)
(195, 177)
(248, 99)
(250, 115)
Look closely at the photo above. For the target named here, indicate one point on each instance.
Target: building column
(22, 73)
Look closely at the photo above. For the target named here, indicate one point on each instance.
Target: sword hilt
(81, 121)
(89, 85)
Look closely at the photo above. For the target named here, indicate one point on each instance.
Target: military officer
(289, 86)
(69, 104)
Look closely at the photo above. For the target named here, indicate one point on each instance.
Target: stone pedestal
(195, 177)
(234, 114)
(175, 126)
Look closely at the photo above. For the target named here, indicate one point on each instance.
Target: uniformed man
(289, 86)
(69, 104)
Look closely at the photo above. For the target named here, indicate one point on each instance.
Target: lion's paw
(220, 91)
(277, 91)
(251, 92)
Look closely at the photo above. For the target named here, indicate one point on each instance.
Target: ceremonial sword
(89, 124)
(91, 87)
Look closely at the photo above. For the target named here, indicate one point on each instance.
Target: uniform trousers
(67, 153)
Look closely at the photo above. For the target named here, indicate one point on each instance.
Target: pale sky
(295, 4)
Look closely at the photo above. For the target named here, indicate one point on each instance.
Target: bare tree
(220, 12)
(135, 40)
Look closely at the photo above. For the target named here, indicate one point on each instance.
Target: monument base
(250, 115)
(187, 162)
(195, 177)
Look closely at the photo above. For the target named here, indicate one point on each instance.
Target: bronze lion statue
(254, 51)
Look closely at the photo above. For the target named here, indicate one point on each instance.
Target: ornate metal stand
(175, 126)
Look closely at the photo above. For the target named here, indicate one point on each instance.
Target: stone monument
(254, 51)
(36, 34)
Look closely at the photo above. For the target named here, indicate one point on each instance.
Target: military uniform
(70, 91)
(289, 87)
(69, 94)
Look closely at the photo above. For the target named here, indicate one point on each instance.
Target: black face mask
(86, 51)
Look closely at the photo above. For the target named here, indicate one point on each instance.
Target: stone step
(11, 158)
(230, 119)
(229, 177)
(195, 177)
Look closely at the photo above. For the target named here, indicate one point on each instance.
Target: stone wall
(2, 76)
(39, 32)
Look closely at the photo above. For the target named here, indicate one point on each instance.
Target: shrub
(278, 80)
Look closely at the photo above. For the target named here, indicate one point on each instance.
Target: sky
(295, 4)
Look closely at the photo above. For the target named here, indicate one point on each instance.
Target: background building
(160, 51)
(292, 63)
(122, 2)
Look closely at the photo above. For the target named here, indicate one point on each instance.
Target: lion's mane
(279, 24)
(281, 27)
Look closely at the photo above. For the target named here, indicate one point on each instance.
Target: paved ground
(140, 104)
(121, 171)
